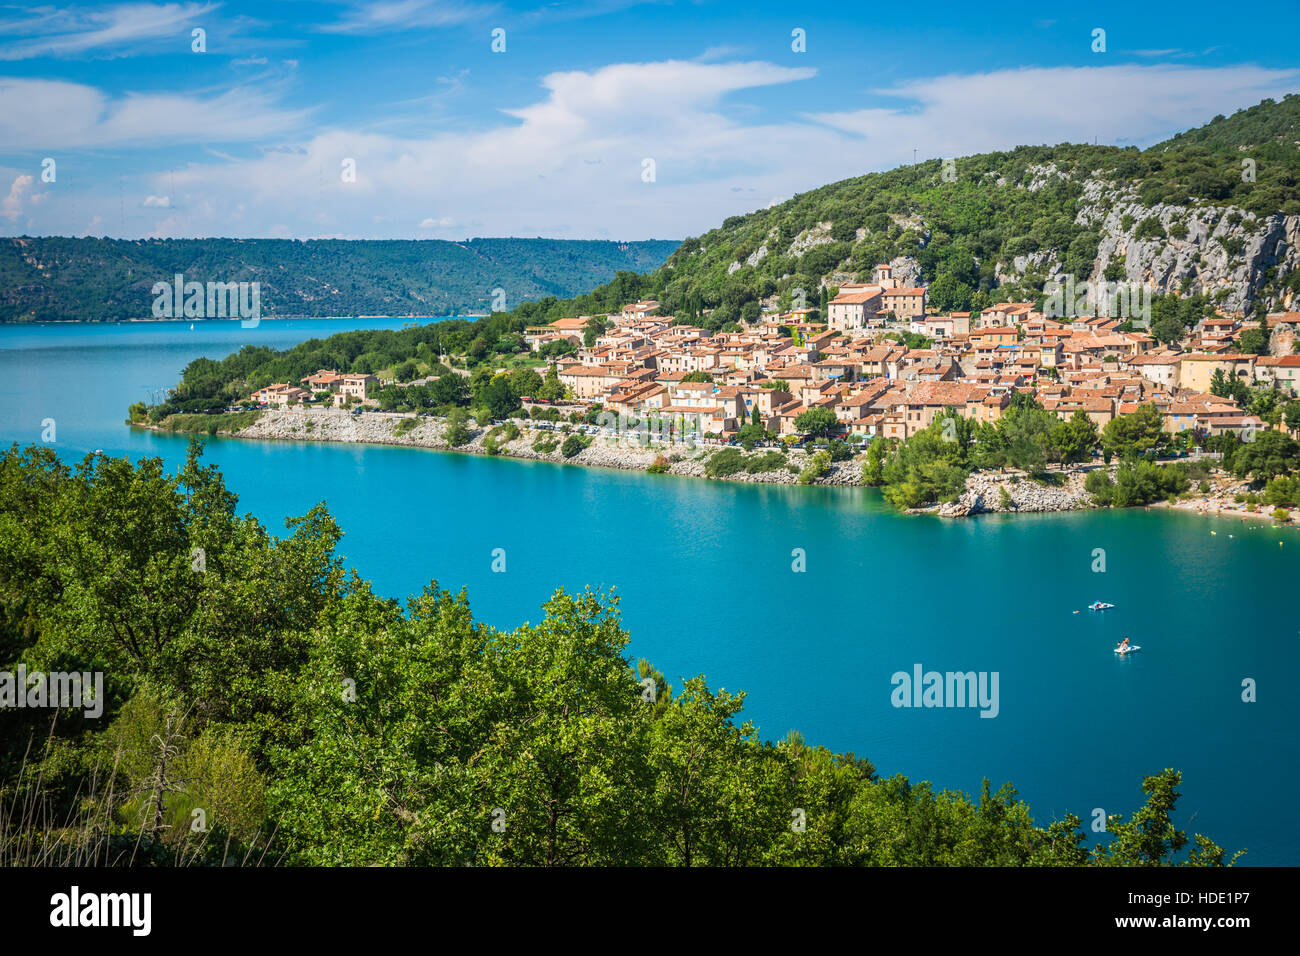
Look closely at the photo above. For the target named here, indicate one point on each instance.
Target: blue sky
(450, 139)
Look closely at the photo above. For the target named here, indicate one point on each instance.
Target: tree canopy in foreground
(263, 705)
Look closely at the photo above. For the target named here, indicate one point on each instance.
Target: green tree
(1254, 341)
(498, 397)
(525, 381)
(1134, 434)
(596, 327)
(1150, 837)
(457, 432)
(718, 794)
(948, 293)
(873, 470)
(1074, 439)
(1270, 453)
(1168, 329)
(449, 389)
(552, 388)
(817, 422)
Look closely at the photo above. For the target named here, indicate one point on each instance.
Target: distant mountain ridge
(53, 279)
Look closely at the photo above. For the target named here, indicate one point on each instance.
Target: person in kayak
(1123, 645)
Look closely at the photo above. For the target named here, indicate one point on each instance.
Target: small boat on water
(1121, 651)
(1100, 606)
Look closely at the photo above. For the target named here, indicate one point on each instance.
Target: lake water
(704, 570)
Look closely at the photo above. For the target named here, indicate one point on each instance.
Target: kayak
(1121, 651)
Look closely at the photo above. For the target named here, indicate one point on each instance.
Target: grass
(97, 832)
(518, 360)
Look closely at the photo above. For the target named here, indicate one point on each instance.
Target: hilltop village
(885, 367)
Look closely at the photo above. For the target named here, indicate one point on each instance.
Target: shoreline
(378, 428)
(686, 460)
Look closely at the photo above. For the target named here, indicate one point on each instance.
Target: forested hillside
(1268, 130)
(57, 279)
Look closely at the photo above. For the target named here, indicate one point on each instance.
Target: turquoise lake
(704, 571)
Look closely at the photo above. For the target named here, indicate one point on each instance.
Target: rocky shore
(986, 492)
(388, 428)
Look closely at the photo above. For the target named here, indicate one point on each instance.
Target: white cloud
(52, 114)
(536, 174)
(157, 202)
(114, 30)
(390, 16)
(569, 163)
(956, 115)
(720, 52)
(12, 206)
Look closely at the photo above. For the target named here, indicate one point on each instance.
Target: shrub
(840, 451)
(572, 445)
(817, 466)
(724, 462)
(1149, 228)
(1099, 485)
(1283, 491)
(659, 466)
(500, 436)
(770, 461)
(504, 433)
(1142, 482)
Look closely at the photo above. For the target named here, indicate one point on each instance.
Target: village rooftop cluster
(857, 364)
